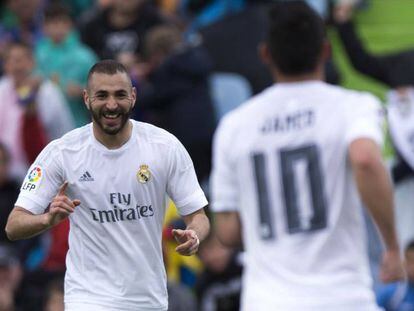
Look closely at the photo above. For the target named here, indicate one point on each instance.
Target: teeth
(111, 116)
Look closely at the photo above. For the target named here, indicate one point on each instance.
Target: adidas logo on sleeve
(86, 177)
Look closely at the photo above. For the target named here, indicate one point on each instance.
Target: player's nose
(111, 103)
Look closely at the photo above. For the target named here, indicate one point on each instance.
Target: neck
(18, 82)
(317, 74)
(113, 141)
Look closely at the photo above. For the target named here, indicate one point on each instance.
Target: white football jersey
(115, 258)
(281, 161)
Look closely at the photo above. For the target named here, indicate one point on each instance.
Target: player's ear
(134, 96)
(264, 53)
(86, 98)
(325, 51)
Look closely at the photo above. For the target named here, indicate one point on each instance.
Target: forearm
(376, 192)
(24, 225)
(361, 59)
(200, 224)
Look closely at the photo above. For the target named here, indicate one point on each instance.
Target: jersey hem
(114, 306)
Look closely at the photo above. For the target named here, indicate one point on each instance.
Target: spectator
(54, 296)
(120, 28)
(10, 274)
(61, 57)
(219, 286)
(21, 21)
(400, 296)
(289, 181)
(33, 110)
(9, 190)
(393, 69)
(233, 41)
(176, 95)
(396, 70)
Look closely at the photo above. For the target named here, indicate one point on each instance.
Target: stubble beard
(97, 116)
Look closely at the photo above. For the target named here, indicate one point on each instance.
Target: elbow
(364, 162)
(227, 237)
(10, 233)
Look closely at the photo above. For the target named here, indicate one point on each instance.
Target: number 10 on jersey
(303, 191)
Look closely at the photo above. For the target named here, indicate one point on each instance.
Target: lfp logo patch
(35, 174)
(33, 179)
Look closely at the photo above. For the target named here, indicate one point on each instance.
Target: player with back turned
(290, 169)
(111, 178)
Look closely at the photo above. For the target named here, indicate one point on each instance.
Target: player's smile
(112, 118)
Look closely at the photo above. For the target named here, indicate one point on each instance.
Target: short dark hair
(56, 10)
(295, 37)
(106, 66)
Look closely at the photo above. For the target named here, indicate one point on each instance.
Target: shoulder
(5, 82)
(154, 135)
(72, 141)
(241, 116)
(350, 97)
(363, 104)
(78, 136)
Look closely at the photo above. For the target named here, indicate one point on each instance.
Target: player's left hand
(187, 240)
(392, 268)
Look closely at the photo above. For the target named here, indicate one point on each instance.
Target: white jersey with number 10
(281, 161)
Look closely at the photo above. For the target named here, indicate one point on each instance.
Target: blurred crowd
(191, 61)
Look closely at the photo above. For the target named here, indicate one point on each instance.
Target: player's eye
(121, 95)
(100, 96)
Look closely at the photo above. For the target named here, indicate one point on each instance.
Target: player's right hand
(60, 207)
(392, 268)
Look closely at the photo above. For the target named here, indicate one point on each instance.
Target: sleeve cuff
(192, 203)
(34, 206)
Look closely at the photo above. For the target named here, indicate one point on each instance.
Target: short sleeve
(224, 188)
(365, 119)
(182, 185)
(42, 181)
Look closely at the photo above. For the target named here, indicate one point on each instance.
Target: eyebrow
(101, 92)
(116, 92)
(120, 92)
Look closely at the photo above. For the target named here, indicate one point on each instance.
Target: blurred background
(191, 61)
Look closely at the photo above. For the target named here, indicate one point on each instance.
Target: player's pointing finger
(62, 188)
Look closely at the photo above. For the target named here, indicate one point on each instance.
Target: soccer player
(290, 167)
(111, 178)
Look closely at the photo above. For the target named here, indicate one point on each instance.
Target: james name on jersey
(295, 121)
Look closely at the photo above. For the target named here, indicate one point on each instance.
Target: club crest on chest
(144, 174)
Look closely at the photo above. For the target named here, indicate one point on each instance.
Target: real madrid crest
(143, 174)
